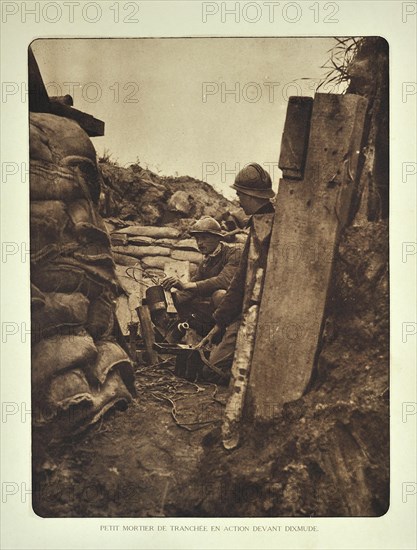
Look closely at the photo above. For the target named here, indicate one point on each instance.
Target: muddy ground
(138, 462)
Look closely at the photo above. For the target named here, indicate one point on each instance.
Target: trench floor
(142, 462)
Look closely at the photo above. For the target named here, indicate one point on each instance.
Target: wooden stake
(240, 374)
(245, 338)
(147, 333)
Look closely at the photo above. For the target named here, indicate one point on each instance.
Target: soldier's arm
(175, 282)
(231, 306)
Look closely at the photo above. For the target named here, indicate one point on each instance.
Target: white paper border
(21, 528)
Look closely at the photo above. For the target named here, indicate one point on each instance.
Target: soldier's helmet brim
(206, 231)
(253, 192)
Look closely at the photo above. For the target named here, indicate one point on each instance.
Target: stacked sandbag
(144, 255)
(154, 247)
(80, 368)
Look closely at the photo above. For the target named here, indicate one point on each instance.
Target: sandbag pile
(144, 255)
(80, 368)
(154, 247)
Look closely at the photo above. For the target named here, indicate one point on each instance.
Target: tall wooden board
(309, 216)
(295, 137)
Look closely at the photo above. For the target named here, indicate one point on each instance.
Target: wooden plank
(133, 336)
(64, 99)
(92, 126)
(295, 137)
(147, 333)
(309, 217)
(39, 102)
(240, 373)
(133, 287)
(242, 362)
(123, 314)
(38, 96)
(245, 342)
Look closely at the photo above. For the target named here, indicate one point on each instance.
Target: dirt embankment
(135, 194)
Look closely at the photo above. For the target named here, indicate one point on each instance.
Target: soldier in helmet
(254, 190)
(200, 297)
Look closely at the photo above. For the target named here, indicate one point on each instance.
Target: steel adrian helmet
(206, 225)
(255, 181)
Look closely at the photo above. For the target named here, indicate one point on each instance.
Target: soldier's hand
(170, 282)
(206, 341)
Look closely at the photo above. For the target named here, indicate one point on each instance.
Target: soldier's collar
(267, 208)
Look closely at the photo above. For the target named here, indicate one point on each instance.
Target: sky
(202, 107)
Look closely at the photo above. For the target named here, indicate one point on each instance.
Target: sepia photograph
(209, 276)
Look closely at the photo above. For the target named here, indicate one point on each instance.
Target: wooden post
(295, 137)
(245, 342)
(310, 214)
(91, 125)
(40, 102)
(147, 333)
(240, 374)
(38, 96)
(133, 336)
